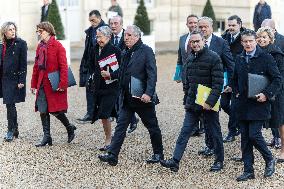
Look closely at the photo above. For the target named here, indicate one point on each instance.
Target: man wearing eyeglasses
(90, 42)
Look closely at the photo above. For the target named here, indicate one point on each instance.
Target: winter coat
(56, 61)
(258, 17)
(13, 71)
(204, 68)
(261, 63)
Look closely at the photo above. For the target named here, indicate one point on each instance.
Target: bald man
(279, 39)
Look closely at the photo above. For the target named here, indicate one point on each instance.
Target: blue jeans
(251, 136)
(211, 122)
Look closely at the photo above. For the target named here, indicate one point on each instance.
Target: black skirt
(277, 111)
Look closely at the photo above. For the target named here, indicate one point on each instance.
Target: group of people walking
(119, 73)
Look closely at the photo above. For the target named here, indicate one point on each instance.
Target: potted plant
(142, 21)
(55, 19)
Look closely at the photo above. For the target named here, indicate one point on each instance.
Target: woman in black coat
(106, 59)
(265, 39)
(13, 51)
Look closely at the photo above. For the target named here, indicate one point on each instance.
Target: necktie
(116, 40)
(248, 56)
(232, 39)
(206, 44)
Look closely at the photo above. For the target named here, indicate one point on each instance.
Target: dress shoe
(277, 143)
(201, 152)
(237, 159)
(171, 164)
(209, 152)
(133, 126)
(245, 176)
(269, 168)
(16, 133)
(104, 148)
(70, 131)
(271, 143)
(87, 117)
(217, 166)
(156, 158)
(109, 158)
(9, 136)
(229, 138)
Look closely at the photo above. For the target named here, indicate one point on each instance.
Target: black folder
(54, 79)
(137, 87)
(256, 84)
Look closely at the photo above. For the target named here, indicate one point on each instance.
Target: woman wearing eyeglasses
(50, 57)
(13, 71)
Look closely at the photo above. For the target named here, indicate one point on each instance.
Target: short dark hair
(191, 15)
(95, 12)
(248, 32)
(236, 17)
(197, 32)
(48, 27)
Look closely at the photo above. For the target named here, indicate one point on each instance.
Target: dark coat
(142, 65)
(221, 47)
(44, 15)
(236, 47)
(261, 63)
(262, 15)
(56, 61)
(104, 107)
(182, 55)
(121, 44)
(279, 41)
(14, 71)
(86, 64)
(277, 106)
(204, 68)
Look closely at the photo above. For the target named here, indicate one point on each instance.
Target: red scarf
(42, 54)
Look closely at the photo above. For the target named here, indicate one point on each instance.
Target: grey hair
(4, 29)
(105, 30)
(208, 19)
(136, 30)
(120, 19)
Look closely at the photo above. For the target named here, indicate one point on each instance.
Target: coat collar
(256, 54)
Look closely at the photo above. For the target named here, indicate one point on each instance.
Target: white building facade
(167, 17)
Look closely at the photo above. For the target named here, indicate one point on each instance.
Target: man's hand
(60, 90)
(33, 91)
(261, 97)
(145, 98)
(20, 85)
(206, 107)
(228, 89)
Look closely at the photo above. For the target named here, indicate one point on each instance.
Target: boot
(16, 131)
(9, 135)
(11, 117)
(45, 120)
(69, 127)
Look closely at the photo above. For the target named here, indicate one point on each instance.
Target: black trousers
(251, 136)
(148, 118)
(12, 116)
(211, 122)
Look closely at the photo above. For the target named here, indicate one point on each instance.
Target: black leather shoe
(201, 152)
(237, 159)
(245, 176)
(170, 164)
(71, 133)
(156, 158)
(269, 168)
(109, 158)
(209, 152)
(277, 143)
(133, 126)
(104, 148)
(217, 166)
(87, 117)
(9, 136)
(46, 140)
(271, 143)
(229, 138)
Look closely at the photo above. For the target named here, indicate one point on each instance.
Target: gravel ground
(76, 165)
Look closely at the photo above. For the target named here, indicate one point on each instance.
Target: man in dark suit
(204, 68)
(44, 10)
(221, 47)
(233, 37)
(279, 41)
(262, 11)
(86, 62)
(117, 38)
(253, 112)
(183, 52)
(138, 63)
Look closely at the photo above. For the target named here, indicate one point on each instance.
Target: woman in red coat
(50, 57)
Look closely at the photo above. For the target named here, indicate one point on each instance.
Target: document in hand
(137, 87)
(54, 79)
(202, 95)
(256, 84)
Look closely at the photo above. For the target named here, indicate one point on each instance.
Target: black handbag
(54, 79)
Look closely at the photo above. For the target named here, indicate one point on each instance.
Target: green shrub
(141, 18)
(209, 12)
(55, 19)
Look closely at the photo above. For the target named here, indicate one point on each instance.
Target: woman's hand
(60, 90)
(33, 91)
(21, 85)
